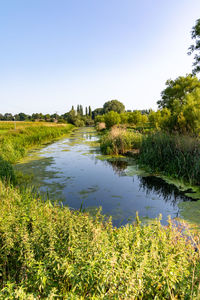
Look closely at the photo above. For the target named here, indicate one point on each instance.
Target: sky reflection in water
(71, 172)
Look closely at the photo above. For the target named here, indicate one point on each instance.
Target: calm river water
(71, 170)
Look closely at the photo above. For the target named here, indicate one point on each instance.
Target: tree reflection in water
(169, 192)
(119, 166)
(153, 184)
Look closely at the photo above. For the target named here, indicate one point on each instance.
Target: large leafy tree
(195, 48)
(114, 105)
(112, 118)
(176, 90)
(97, 112)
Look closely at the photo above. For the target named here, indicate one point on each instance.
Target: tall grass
(175, 155)
(48, 251)
(15, 143)
(119, 141)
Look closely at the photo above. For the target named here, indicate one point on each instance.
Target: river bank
(48, 250)
(73, 171)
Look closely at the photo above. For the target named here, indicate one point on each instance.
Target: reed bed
(174, 155)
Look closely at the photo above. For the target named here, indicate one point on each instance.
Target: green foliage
(50, 252)
(97, 112)
(79, 122)
(195, 48)
(78, 119)
(174, 155)
(72, 117)
(7, 173)
(183, 118)
(14, 144)
(177, 90)
(111, 118)
(99, 119)
(113, 105)
(119, 141)
(136, 117)
(90, 111)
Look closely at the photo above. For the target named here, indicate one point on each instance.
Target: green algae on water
(190, 211)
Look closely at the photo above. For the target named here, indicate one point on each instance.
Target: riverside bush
(175, 155)
(119, 141)
(48, 251)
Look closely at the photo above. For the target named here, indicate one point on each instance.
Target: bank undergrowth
(14, 144)
(173, 155)
(48, 251)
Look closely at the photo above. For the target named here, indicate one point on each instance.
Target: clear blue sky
(59, 53)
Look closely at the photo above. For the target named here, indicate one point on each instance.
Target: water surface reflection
(70, 171)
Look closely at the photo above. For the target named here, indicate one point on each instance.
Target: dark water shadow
(169, 192)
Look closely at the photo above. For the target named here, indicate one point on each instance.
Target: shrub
(111, 118)
(119, 141)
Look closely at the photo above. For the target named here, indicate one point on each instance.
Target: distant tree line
(79, 116)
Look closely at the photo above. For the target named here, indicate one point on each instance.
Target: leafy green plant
(48, 251)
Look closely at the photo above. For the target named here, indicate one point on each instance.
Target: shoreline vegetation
(173, 155)
(14, 143)
(49, 251)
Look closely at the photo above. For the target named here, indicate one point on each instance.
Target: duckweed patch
(190, 211)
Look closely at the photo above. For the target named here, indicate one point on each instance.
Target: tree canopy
(176, 90)
(114, 105)
(195, 48)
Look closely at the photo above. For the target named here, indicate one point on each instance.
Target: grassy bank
(51, 252)
(14, 144)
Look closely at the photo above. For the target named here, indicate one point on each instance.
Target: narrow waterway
(72, 170)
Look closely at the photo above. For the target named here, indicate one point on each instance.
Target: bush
(111, 118)
(119, 141)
